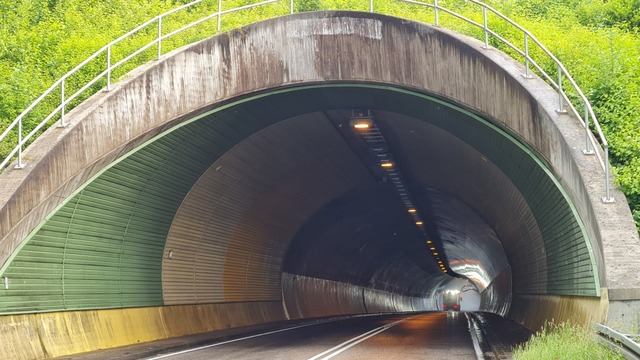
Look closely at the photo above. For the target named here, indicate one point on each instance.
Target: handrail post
(527, 71)
(291, 6)
(20, 165)
(109, 67)
(486, 26)
(62, 104)
(370, 5)
(587, 148)
(561, 108)
(435, 8)
(219, 14)
(159, 37)
(607, 199)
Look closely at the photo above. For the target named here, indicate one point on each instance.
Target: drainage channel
(495, 337)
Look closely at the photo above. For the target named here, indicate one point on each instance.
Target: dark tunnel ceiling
(452, 176)
(479, 188)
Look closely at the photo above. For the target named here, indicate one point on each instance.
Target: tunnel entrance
(237, 188)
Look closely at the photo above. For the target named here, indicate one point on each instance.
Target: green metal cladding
(103, 248)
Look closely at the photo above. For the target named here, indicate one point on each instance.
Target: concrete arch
(162, 191)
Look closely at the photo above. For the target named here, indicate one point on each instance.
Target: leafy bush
(620, 13)
(308, 5)
(603, 57)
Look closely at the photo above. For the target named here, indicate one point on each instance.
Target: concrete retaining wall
(37, 336)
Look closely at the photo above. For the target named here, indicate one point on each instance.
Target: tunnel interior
(258, 198)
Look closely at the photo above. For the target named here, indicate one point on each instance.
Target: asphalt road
(434, 335)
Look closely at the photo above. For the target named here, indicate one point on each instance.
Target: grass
(565, 341)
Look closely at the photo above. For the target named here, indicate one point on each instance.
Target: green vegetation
(598, 41)
(565, 341)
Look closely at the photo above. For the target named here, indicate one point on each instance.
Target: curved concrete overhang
(225, 176)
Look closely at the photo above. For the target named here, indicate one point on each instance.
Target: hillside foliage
(598, 41)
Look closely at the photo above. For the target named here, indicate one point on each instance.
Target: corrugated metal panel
(307, 297)
(551, 218)
(104, 247)
(238, 219)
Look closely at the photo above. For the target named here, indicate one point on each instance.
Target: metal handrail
(620, 341)
(590, 141)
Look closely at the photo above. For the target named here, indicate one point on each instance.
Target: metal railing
(486, 10)
(618, 341)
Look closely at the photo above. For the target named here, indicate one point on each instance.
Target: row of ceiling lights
(366, 127)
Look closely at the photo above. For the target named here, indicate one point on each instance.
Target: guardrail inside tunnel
(57, 93)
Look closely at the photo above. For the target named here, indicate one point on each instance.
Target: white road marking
(339, 348)
(236, 340)
(354, 341)
(474, 337)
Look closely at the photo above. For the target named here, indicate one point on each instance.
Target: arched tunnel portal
(226, 185)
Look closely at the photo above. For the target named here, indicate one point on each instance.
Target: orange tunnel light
(361, 122)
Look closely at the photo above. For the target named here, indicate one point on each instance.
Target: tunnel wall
(231, 232)
(538, 310)
(306, 297)
(496, 297)
(44, 335)
(52, 334)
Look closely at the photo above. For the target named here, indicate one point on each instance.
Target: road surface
(435, 335)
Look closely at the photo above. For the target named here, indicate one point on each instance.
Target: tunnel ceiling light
(361, 122)
(439, 261)
(429, 242)
(435, 254)
(432, 248)
(365, 128)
